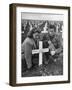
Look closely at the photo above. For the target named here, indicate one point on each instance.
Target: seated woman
(27, 46)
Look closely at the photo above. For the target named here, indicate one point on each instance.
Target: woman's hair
(30, 33)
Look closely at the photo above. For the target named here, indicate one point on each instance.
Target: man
(55, 45)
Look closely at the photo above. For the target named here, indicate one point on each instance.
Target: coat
(26, 50)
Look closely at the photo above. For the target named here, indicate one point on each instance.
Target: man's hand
(53, 53)
(49, 42)
(51, 46)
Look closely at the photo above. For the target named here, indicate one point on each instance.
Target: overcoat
(26, 50)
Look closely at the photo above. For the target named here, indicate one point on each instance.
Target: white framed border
(63, 77)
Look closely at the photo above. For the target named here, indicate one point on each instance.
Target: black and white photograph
(41, 40)
(41, 46)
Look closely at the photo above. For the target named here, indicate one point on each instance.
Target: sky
(42, 16)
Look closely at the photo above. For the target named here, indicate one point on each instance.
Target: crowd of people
(52, 40)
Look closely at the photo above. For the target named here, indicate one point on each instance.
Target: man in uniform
(55, 45)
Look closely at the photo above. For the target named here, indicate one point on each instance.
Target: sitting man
(55, 45)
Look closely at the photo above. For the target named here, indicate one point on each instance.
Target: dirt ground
(50, 69)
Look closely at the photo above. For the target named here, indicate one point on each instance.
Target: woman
(28, 45)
